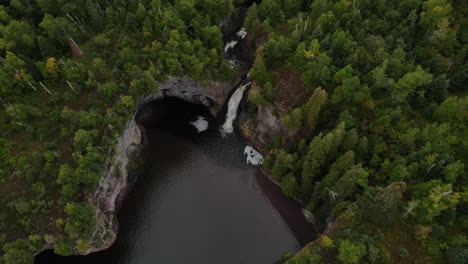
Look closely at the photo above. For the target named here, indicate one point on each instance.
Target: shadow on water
(198, 201)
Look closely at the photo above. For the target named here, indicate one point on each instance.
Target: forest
(373, 96)
(70, 75)
(371, 93)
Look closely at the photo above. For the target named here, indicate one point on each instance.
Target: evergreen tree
(311, 109)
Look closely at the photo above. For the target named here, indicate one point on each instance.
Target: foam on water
(253, 156)
(201, 124)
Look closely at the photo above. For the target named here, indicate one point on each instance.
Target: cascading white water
(241, 33)
(233, 106)
(230, 45)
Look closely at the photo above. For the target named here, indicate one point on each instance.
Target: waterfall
(233, 105)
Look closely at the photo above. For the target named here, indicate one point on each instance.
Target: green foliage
(13, 73)
(80, 220)
(458, 253)
(282, 165)
(449, 110)
(18, 37)
(271, 10)
(322, 149)
(258, 72)
(326, 242)
(19, 251)
(293, 120)
(256, 98)
(64, 248)
(18, 256)
(434, 198)
(383, 204)
(109, 89)
(409, 82)
(350, 252)
(454, 171)
(389, 150)
(83, 138)
(311, 109)
(318, 71)
(349, 183)
(83, 245)
(290, 185)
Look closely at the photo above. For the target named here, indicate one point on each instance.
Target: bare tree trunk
(76, 51)
(71, 86)
(32, 86)
(77, 23)
(45, 88)
(429, 170)
(99, 7)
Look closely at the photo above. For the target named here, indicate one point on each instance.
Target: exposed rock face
(114, 182)
(211, 94)
(262, 130)
(268, 125)
(111, 185)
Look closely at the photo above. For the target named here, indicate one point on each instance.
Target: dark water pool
(199, 202)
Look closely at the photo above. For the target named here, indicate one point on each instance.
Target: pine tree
(336, 171)
(322, 150)
(347, 185)
(290, 186)
(293, 120)
(258, 72)
(311, 109)
(283, 164)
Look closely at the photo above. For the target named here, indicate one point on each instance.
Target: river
(197, 200)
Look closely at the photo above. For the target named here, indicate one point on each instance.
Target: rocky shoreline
(261, 132)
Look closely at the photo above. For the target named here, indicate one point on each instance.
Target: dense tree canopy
(388, 149)
(70, 74)
(371, 97)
